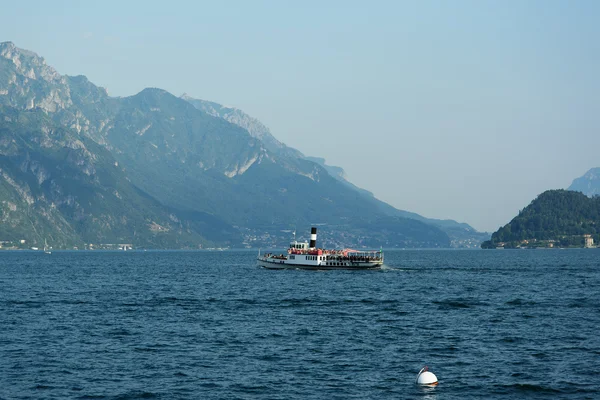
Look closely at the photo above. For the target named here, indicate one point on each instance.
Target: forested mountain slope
(555, 216)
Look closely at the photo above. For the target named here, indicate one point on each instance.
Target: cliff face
(27, 82)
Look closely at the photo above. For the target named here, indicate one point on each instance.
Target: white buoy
(426, 378)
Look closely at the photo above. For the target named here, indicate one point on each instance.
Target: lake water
(193, 325)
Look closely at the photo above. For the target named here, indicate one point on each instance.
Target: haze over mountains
(79, 167)
(588, 184)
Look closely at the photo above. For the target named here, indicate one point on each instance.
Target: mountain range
(81, 168)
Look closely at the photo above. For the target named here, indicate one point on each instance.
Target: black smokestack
(313, 238)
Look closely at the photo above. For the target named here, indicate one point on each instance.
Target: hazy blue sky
(452, 109)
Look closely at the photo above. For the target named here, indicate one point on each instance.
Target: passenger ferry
(304, 255)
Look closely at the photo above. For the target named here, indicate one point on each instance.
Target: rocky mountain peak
(82, 82)
(28, 63)
(588, 184)
(27, 82)
(154, 91)
(6, 45)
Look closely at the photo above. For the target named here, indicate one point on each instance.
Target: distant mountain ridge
(237, 117)
(461, 234)
(588, 184)
(258, 130)
(199, 173)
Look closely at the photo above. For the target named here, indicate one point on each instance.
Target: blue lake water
(193, 325)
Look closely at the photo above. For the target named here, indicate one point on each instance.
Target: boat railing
(276, 256)
(342, 255)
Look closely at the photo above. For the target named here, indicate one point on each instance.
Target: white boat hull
(286, 264)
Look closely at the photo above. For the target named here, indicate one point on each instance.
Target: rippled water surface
(191, 325)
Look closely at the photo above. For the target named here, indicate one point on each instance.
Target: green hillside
(554, 218)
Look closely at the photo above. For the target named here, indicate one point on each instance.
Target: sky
(463, 110)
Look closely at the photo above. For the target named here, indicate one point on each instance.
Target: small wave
(250, 388)
(41, 387)
(295, 302)
(269, 357)
(167, 300)
(579, 303)
(119, 332)
(389, 268)
(135, 395)
(520, 302)
(448, 304)
(378, 301)
(510, 339)
(269, 336)
(71, 302)
(145, 349)
(210, 385)
(530, 388)
(27, 303)
(304, 332)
